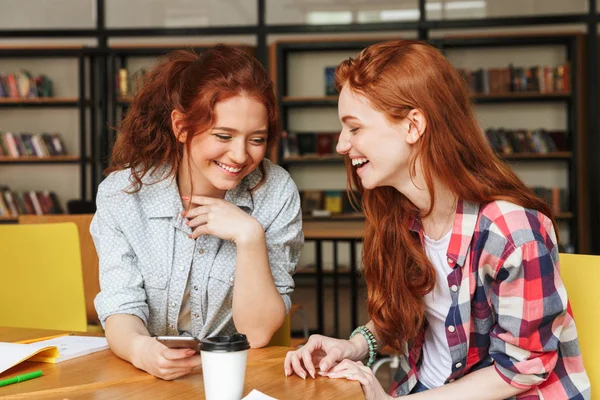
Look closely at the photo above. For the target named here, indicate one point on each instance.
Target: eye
(354, 130)
(258, 140)
(222, 137)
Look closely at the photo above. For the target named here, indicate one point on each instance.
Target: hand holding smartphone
(180, 342)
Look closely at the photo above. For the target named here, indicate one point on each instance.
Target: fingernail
(287, 373)
(323, 367)
(312, 374)
(322, 373)
(183, 213)
(185, 197)
(303, 376)
(190, 237)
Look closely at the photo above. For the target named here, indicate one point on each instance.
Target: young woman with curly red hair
(197, 233)
(461, 258)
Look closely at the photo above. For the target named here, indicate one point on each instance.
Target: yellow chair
(581, 275)
(283, 335)
(41, 285)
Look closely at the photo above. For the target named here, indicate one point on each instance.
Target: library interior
(125, 242)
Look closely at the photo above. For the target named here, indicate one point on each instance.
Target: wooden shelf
(324, 101)
(8, 218)
(39, 160)
(564, 215)
(313, 159)
(40, 102)
(558, 155)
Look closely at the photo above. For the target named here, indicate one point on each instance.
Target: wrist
(252, 235)
(140, 345)
(359, 348)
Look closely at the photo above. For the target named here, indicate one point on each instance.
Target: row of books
(14, 203)
(307, 143)
(556, 198)
(538, 79)
(25, 85)
(327, 202)
(508, 141)
(29, 144)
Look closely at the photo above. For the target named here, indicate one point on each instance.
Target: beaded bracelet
(371, 342)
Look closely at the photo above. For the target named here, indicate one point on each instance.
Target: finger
(198, 221)
(195, 211)
(201, 200)
(308, 364)
(358, 376)
(331, 359)
(176, 354)
(199, 231)
(287, 363)
(170, 374)
(297, 367)
(344, 366)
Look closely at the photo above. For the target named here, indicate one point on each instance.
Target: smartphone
(179, 342)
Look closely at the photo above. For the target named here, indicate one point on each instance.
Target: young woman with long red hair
(197, 233)
(460, 257)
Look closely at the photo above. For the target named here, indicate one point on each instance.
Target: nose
(238, 152)
(343, 145)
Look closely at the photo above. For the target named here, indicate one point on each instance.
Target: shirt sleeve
(531, 305)
(285, 239)
(121, 282)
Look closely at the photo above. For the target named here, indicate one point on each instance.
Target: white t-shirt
(437, 360)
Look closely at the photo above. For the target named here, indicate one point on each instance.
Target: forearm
(258, 309)
(125, 334)
(485, 384)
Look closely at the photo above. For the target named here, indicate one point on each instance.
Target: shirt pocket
(155, 277)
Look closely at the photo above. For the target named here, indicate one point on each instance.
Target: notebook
(53, 351)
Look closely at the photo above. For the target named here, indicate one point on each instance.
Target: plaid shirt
(509, 306)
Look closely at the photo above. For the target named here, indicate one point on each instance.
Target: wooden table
(102, 375)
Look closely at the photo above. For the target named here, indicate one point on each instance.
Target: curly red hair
(193, 84)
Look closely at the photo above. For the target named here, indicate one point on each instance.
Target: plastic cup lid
(225, 344)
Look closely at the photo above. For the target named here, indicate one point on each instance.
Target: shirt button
(451, 380)
(171, 326)
(450, 261)
(181, 268)
(451, 328)
(231, 279)
(454, 288)
(196, 315)
(458, 365)
(173, 304)
(195, 287)
(201, 251)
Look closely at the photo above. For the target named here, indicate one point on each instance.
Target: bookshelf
(71, 111)
(298, 99)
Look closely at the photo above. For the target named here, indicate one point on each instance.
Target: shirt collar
(463, 230)
(161, 198)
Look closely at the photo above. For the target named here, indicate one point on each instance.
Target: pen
(20, 378)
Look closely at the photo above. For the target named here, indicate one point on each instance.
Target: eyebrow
(232, 130)
(346, 118)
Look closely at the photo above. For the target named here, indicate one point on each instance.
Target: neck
(441, 218)
(191, 183)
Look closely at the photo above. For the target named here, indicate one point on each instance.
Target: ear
(416, 126)
(176, 123)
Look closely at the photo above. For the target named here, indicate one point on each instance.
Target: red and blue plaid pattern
(509, 306)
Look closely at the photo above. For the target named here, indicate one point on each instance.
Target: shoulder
(277, 180)
(514, 224)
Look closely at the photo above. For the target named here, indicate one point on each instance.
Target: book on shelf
(512, 79)
(556, 198)
(539, 141)
(29, 144)
(25, 85)
(330, 89)
(308, 143)
(15, 203)
(329, 203)
(54, 350)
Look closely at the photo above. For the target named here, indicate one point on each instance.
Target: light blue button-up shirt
(146, 256)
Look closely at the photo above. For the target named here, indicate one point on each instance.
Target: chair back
(89, 257)
(283, 335)
(41, 286)
(581, 275)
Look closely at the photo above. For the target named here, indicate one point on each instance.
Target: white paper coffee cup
(224, 366)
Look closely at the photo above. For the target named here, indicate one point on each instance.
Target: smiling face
(379, 149)
(221, 157)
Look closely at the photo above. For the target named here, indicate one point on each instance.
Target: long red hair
(193, 84)
(396, 77)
